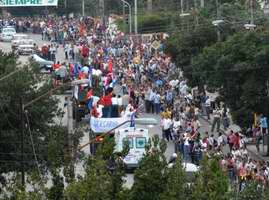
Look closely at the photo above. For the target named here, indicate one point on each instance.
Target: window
(6, 30)
(130, 142)
(140, 142)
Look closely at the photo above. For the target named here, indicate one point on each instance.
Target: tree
(253, 191)
(41, 133)
(185, 45)
(177, 184)
(211, 183)
(151, 176)
(103, 179)
(238, 68)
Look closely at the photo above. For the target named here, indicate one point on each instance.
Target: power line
(32, 143)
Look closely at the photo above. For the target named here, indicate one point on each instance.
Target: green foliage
(150, 177)
(153, 22)
(238, 67)
(103, 179)
(49, 139)
(56, 191)
(211, 183)
(176, 187)
(253, 191)
(185, 45)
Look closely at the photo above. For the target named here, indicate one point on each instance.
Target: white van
(137, 139)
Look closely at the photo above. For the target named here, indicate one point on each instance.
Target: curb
(252, 153)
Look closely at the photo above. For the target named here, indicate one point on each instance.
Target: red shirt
(107, 100)
(89, 94)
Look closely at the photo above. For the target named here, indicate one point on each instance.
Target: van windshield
(130, 142)
(7, 30)
(140, 142)
(21, 37)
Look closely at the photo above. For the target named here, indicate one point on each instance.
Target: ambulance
(137, 139)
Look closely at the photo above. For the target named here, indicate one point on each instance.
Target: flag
(89, 103)
(71, 70)
(110, 66)
(89, 94)
(76, 70)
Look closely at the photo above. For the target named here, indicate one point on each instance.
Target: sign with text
(22, 3)
(102, 125)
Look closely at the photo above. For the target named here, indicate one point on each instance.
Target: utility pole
(181, 6)
(149, 5)
(135, 15)
(196, 13)
(102, 11)
(202, 3)
(218, 18)
(130, 14)
(70, 129)
(70, 122)
(83, 8)
(124, 17)
(22, 142)
(252, 12)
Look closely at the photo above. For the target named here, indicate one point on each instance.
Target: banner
(22, 3)
(102, 125)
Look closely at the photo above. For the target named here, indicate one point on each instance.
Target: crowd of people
(125, 75)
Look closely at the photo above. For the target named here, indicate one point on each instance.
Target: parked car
(25, 49)
(7, 34)
(43, 63)
(19, 39)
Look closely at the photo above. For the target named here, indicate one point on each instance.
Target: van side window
(130, 142)
(140, 142)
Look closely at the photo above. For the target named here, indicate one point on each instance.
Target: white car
(19, 39)
(44, 64)
(7, 34)
(25, 49)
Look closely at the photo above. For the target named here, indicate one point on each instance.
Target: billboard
(23, 3)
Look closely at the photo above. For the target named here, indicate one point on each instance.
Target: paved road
(156, 130)
(6, 47)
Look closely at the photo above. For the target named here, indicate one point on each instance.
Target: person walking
(157, 103)
(216, 120)
(258, 139)
(167, 125)
(208, 107)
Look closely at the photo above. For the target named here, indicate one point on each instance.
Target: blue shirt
(263, 122)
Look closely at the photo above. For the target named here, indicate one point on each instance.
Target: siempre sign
(102, 125)
(17, 3)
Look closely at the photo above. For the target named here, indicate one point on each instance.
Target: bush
(153, 23)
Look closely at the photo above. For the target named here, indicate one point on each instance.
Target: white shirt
(211, 141)
(100, 110)
(167, 123)
(176, 124)
(186, 139)
(114, 100)
(119, 101)
(208, 102)
(220, 140)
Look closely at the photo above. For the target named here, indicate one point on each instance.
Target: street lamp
(135, 13)
(130, 14)
(182, 14)
(218, 21)
(251, 25)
